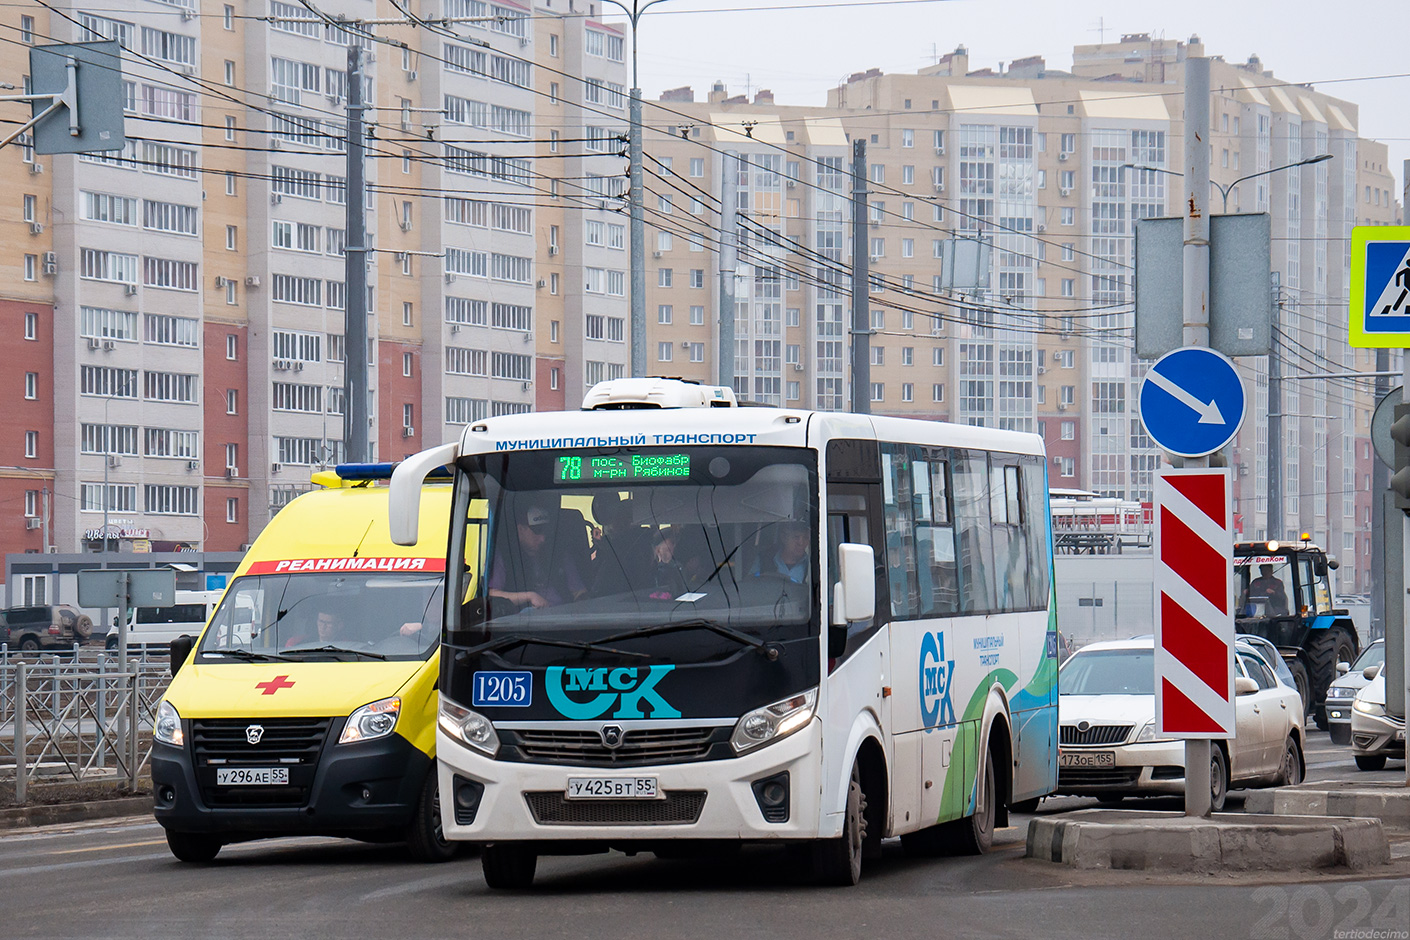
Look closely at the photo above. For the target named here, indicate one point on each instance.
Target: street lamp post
(1274, 515)
(638, 234)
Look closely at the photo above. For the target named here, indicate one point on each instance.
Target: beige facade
(1054, 167)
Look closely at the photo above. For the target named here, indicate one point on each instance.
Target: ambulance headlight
(772, 722)
(168, 728)
(371, 721)
(468, 727)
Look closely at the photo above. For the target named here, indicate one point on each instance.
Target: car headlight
(1368, 708)
(468, 727)
(371, 721)
(168, 727)
(1148, 734)
(772, 722)
(1335, 694)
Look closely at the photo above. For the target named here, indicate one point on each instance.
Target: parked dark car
(45, 626)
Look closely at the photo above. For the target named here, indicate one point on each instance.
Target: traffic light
(1400, 482)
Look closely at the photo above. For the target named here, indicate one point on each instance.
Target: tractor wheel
(1325, 648)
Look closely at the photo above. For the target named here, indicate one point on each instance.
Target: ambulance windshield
(335, 615)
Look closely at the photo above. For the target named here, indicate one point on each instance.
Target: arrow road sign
(1192, 401)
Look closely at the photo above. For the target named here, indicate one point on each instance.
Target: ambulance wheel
(426, 838)
(839, 861)
(193, 846)
(509, 865)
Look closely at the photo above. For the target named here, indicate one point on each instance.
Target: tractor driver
(1268, 586)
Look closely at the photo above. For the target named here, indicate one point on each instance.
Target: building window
(31, 443)
(230, 288)
(29, 207)
(408, 415)
(1069, 215)
(229, 72)
(553, 331)
(229, 183)
(697, 352)
(937, 392)
(1069, 394)
(908, 354)
(553, 379)
(1069, 430)
(406, 362)
(553, 45)
(663, 277)
(908, 135)
(229, 17)
(664, 351)
(26, 29)
(232, 401)
(31, 385)
(31, 267)
(31, 326)
(878, 355)
(697, 277)
(232, 509)
(1069, 287)
(1069, 467)
(697, 316)
(697, 167)
(663, 315)
(878, 391)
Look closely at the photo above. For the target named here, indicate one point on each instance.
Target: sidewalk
(72, 802)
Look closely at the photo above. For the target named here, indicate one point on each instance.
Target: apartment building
(1053, 168)
(29, 497)
(187, 295)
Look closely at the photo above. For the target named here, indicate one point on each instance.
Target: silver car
(1352, 680)
(1375, 734)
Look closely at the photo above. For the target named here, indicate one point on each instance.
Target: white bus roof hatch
(656, 393)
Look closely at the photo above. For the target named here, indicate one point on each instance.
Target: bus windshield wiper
(333, 649)
(247, 655)
(505, 642)
(768, 649)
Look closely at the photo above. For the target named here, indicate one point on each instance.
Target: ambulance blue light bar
(380, 471)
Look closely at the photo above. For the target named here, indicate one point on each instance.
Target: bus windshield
(343, 615)
(589, 544)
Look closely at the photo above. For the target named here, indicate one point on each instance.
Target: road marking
(105, 848)
(88, 863)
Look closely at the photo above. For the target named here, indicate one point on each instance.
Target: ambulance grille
(282, 740)
(679, 808)
(639, 747)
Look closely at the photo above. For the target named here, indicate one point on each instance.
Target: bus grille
(639, 746)
(679, 808)
(1097, 734)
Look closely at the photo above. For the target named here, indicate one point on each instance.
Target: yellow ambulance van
(307, 706)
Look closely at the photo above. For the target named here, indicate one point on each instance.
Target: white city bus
(672, 621)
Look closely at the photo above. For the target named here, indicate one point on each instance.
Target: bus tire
(974, 835)
(425, 838)
(509, 866)
(839, 861)
(193, 846)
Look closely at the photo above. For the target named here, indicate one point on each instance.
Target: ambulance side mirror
(181, 651)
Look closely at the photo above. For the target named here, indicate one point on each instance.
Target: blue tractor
(1283, 595)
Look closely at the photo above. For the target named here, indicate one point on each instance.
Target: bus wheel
(839, 861)
(426, 838)
(974, 835)
(193, 846)
(509, 865)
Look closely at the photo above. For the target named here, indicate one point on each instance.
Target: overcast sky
(799, 54)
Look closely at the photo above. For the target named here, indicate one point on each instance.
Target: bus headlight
(772, 722)
(168, 727)
(468, 727)
(371, 721)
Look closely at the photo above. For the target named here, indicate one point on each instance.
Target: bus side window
(899, 508)
(934, 533)
(973, 536)
(1010, 546)
(1035, 529)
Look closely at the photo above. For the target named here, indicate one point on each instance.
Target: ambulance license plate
(612, 788)
(252, 776)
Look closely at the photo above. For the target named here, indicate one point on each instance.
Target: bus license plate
(1086, 758)
(252, 776)
(612, 788)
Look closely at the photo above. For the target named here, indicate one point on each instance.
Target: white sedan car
(1375, 733)
(1109, 748)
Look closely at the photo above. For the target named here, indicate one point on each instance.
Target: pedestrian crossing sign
(1380, 286)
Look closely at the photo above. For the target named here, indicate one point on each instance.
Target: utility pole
(1198, 800)
(861, 282)
(729, 261)
(355, 379)
(638, 258)
(1275, 424)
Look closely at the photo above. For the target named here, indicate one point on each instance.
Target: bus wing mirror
(854, 598)
(404, 500)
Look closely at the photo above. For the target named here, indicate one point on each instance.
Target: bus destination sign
(592, 468)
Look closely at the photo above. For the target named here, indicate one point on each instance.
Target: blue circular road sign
(1192, 401)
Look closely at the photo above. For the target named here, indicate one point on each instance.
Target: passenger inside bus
(622, 550)
(789, 560)
(525, 572)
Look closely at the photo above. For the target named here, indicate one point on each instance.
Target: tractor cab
(1282, 593)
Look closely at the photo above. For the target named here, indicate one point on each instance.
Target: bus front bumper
(485, 800)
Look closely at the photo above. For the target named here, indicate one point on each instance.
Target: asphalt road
(116, 879)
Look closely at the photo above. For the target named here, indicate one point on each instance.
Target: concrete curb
(20, 817)
(1153, 841)
(1391, 805)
